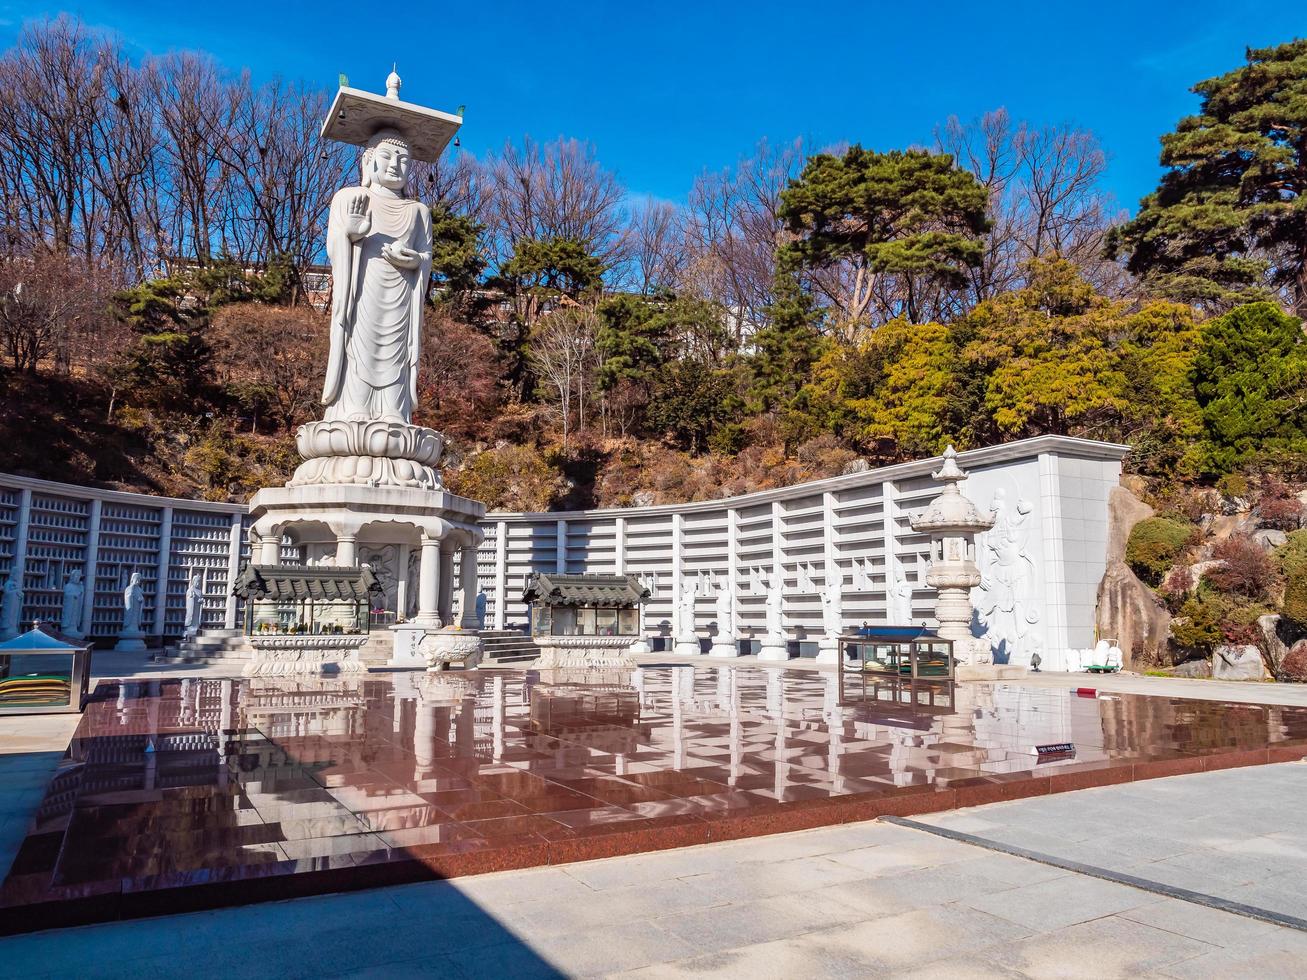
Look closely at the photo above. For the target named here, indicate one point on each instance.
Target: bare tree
(657, 253)
(283, 375)
(1045, 199)
(557, 190)
(732, 230)
(561, 353)
(48, 303)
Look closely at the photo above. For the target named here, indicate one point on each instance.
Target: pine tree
(1228, 222)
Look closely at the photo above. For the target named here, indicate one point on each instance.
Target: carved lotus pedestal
(276, 656)
(687, 646)
(368, 453)
(445, 647)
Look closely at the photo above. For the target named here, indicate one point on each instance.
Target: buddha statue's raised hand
(358, 221)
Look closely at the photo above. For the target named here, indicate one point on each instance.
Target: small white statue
(133, 604)
(194, 605)
(725, 604)
(775, 606)
(831, 619)
(70, 614)
(11, 606)
(689, 593)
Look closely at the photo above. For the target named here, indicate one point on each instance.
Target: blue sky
(666, 90)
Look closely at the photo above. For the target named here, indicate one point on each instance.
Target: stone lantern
(953, 521)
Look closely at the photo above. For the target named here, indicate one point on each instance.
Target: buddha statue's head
(387, 161)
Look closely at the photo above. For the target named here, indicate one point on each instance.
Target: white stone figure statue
(687, 641)
(133, 603)
(1008, 606)
(194, 606)
(11, 607)
(899, 598)
(832, 614)
(774, 646)
(70, 613)
(379, 246)
(724, 644)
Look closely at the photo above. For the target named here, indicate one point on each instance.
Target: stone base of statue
(774, 649)
(687, 646)
(311, 654)
(724, 647)
(640, 647)
(990, 672)
(368, 453)
(440, 649)
(607, 652)
(319, 514)
(404, 651)
(130, 641)
(828, 650)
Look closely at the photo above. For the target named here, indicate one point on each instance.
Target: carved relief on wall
(1009, 601)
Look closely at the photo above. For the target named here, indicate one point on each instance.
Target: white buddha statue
(379, 245)
(133, 604)
(70, 613)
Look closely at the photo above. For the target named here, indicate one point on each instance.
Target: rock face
(1238, 663)
(1270, 538)
(1269, 626)
(1128, 611)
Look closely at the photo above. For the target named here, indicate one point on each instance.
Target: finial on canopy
(393, 83)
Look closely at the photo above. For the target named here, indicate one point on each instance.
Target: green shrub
(1292, 555)
(1233, 485)
(1199, 625)
(1154, 545)
(1294, 608)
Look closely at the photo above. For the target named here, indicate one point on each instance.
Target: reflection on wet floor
(278, 786)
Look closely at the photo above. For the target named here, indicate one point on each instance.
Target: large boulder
(1270, 538)
(1128, 610)
(1238, 663)
(1272, 643)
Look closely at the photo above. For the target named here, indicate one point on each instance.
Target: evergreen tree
(1249, 377)
(456, 262)
(910, 216)
(1227, 222)
(787, 347)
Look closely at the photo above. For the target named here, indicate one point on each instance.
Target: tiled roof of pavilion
(585, 590)
(293, 582)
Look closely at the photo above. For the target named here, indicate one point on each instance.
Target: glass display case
(906, 652)
(43, 672)
(290, 600)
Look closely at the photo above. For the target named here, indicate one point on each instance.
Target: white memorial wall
(1041, 563)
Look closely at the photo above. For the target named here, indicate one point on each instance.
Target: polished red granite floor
(181, 794)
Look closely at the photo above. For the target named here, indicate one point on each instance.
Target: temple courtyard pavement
(1197, 875)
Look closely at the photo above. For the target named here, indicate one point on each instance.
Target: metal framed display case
(43, 672)
(903, 652)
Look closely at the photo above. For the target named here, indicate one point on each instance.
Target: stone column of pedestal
(402, 584)
(467, 580)
(270, 548)
(346, 551)
(429, 584)
(446, 601)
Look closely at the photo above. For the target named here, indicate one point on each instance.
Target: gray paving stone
(1101, 949)
(744, 923)
(1062, 902)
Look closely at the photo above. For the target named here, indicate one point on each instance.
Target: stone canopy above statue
(356, 116)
